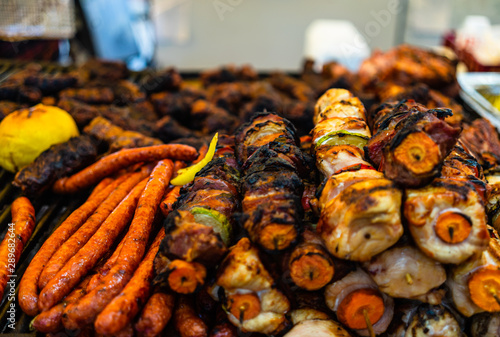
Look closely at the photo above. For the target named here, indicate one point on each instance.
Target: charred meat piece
(211, 118)
(419, 320)
(168, 129)
(358, 303)
(229, 73)
(19, 93)
(51, 83)
(176, 104)
(81, 112)
(229, 96)
(253, 302)
(126, 117)
(7, 107)
(58, 161)
(263, 102)
(116, 137)
(97, 95)
(485, 325)
(447, 220)
(405, 65)
(481, 138)
(475, 284)
(127, 92)
(300, 114)
(294, 88)
(405, 272)
(166, 80)
(105, 70)
(332, 75)
(411, 150)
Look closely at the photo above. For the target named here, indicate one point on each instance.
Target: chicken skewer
(360, 209)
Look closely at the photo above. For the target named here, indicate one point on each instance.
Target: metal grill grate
(23, 19)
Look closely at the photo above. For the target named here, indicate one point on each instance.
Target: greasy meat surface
(405, 272)
(166, 80)
(52, 83)
(243, 273)
(318, 328)
(481, 138)
(116, 137)
(485, 325)
(58, 161)
(98, 95)
(447, 220)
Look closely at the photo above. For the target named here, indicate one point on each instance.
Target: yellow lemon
(26, 133)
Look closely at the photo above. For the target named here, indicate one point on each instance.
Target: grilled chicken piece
(357, 300)
(405, 65)
(424, 320)
(447, 220)
(127, 92)
(97, 95)
(318, 328)
(176, 104)
(253, 302)
(411, 148)
(166, 80)
(19, 93)
(210, 118)
(333, 159)
(57, 161)
(168, 129)
(362, 220)
(481, 138)
(341, 131)
(7, 107)
(475, 284)
(405, 272)
(116, 137)
(330, 97)
(81, 112)
(485, 325)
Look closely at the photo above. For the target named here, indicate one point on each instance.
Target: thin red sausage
(99, 187)
(85, 232)
(23, 223)
(155, 315)
(87, 257)
(87, 308)
(124, 307)
(28, 287)
(118, 160)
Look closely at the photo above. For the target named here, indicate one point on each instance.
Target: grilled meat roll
(359, 304)
(410, 142)
(318, 327)
(199, 230)
(475, 284)
(405, 272)
(273, 167)
(248, 292)
(360, 209)
(481, 138)
(424, 320)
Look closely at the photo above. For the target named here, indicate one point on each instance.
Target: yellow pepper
(187, 174)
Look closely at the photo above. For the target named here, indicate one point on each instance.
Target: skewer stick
(368, 323)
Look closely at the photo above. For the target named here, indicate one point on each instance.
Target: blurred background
(268, 34)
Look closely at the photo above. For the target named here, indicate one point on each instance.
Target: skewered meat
(253, 302)
(411, 142)
(360, 214)
(424, 320)
(447, 220)
(485, 325)
(318, 328)
(475, 284)
(57, 161)
(405, 272)
(481, 139)
(406, 64)
(166, 80)
(271, 187)
(116, 137)
(358, 302)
